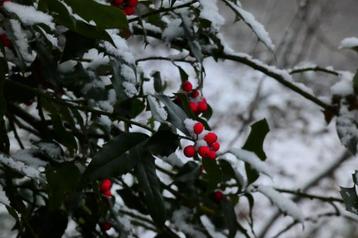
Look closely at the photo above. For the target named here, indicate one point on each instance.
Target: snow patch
(29, 15)
(349, 42)
(283, 203)
(210, 12)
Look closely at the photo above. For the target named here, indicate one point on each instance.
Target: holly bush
(91, 143)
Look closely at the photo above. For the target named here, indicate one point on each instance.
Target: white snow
(173, 30)
(20, 167)
(95, 59)
(180, 218)
(26, 157)
(173, 160)
(211, 228)
(252, 159)
(235, 165)
(158, 111)
(210, 12)
(346, 125)
(67, 66)
(350, 42)
(29, 15)
(21, 42)
(344, 86)
(283, 203)
(255, 26)
(129, 89)
(120, 50)
(3, 198)
(128, 73)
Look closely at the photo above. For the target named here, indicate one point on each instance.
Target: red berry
(105, 185)
(203, 151)
(215, 146)
(107, 193)
(198, 128)
(195, 93)
(129, 10)
(210, 138)
(211, 154)
(4, 40)
(202, 105)
(132, 3)
(193, 107)
(106, 226)
(218, 196)
(187, 86)
(117, 3)
(189, 151)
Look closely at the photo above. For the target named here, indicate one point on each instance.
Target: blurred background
(302, 149)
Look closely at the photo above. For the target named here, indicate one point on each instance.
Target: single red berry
(117, 3)
(195, 93)
(202, 105)
(106, 226)
(105, 185)
(107, 193)
(129, 10)
(4, 40)
(215, 146)
(218, 196)
(203, 151)
(187, 86)
(189, 151)
(210, 138)
(132, 3)
(211, 154)
(198, 128)
(193, 106)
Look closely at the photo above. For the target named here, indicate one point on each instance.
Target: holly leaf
(254, 143)
(350, 199)
(150, 185)
(116, 157)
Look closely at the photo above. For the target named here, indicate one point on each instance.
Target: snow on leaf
(180, 219)
(283, 203)
(344, 86)
(21, 42)
(3, 198)
(28, 14)
(158, 112)
(237, 169)
(251, 22)
(348, 43)
(26, 156)
(173, 30)
(347, 128)
(210, 12)
(20, 167)
(252, 159)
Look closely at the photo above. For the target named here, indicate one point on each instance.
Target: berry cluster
(197, 103)
(128, 6)
(206, 144)
(105, 187)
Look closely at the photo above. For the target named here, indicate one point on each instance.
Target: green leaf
(213, 173)
(355, 177)
(230, 219)
(3, 71)
(105, 17)
(150, 185)
(255, 140)
(350, 199)
(254, 143)
(175, 114)
(188, 173)
(129, 108)
(164, 142)
(112, 159)
(62, 182)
